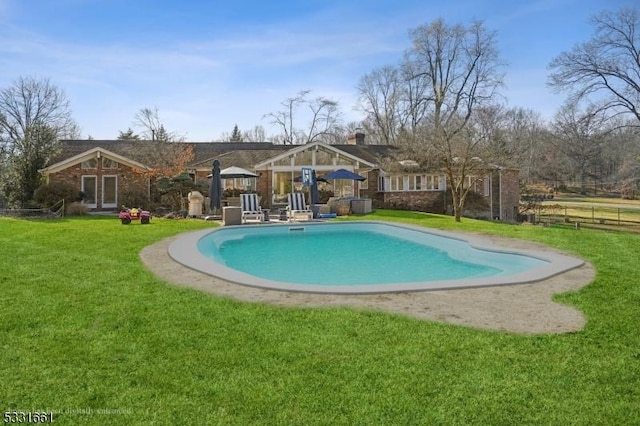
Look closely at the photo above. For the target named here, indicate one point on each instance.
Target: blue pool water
(355, 254)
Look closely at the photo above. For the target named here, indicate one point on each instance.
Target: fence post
(618, 216)
(593, 214)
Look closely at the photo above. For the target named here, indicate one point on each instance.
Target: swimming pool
(359, 257)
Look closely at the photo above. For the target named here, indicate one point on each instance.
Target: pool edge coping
(183, 250)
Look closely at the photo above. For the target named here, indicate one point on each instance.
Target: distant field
(594, 210)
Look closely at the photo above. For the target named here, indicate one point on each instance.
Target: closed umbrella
(314, 195)
(215, 189)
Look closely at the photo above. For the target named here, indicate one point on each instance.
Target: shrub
(135, 198)
(51, 193)
(76, 208)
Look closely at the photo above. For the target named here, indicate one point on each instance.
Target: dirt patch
(522, 308)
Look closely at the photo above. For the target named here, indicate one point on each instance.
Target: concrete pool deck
(458, 246)
(520, 308)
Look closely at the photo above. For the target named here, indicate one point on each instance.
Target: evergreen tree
(128, 135)
(236, 136)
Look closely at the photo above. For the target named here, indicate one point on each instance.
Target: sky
(210, 65)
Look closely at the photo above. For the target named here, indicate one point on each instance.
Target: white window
(108, 163)
(413, 183)
(91, 163)
(365, 183)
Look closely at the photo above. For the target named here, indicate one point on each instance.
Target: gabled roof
(241, 158)
(375, 154)
(248, 155)
(312, 145)
(95, 152)
(207, 151)
(124, 148)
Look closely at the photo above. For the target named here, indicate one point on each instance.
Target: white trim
(96, 152)
(109, 205)
(312, 145)
(95, 190)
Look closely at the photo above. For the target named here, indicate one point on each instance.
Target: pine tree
(236, 136)
(129, 135)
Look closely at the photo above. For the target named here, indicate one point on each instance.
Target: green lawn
(88, 332)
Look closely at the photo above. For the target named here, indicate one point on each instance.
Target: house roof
(96, 151)
(300, 148)
(241, 158)
(375, 154)
(242, 154)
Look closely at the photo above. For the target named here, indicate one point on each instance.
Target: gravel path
(523, 308)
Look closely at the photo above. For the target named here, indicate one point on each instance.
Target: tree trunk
(455, 201)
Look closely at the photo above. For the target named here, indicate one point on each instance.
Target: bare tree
(526, 135)
(167, 155)
(257, 134)
(579, 135)
(34, 115)
(394, 102)
(629, 176)
(30, 101)
(462, 68)
(284, 119)
(148, 119)
(324, 119)
(379, 95)
(605, 69)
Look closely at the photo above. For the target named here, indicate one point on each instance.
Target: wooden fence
(591, 216)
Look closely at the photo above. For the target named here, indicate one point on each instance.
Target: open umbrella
(215, 188)
(236, 172)
(344, 174)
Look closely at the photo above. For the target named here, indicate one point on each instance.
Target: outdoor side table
(231, 215)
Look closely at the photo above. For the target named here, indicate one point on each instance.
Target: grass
(88, 332)
(594, 210)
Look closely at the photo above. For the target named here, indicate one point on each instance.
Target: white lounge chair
(251, 209)
(297, 208)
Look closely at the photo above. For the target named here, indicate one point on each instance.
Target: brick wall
(129, 183)
(510, 194)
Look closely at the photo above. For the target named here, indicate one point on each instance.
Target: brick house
(105, 170)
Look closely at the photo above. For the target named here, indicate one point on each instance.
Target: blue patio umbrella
(215, 188)
(313, 189)
(344, 174)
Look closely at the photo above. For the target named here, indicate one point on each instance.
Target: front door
(109, 191)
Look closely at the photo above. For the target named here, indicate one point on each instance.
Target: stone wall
(423, 201)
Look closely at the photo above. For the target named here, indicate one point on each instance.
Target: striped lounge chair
(297, 208)
(251, 209)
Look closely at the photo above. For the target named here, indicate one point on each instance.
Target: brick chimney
(356, 139)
